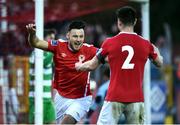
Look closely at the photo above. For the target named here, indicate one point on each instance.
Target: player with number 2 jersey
(127, 54)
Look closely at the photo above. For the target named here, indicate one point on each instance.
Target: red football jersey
(127, 54)
(69, 82)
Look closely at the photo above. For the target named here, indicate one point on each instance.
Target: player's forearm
(159, 61)
(87, 66)
(33, 40)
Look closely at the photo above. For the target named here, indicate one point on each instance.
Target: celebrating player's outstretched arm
(33, 39)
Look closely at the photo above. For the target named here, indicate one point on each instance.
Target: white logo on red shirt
(81, 58)
(63, 54)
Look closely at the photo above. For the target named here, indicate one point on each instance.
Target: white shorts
(77, 108)
(112, 111)
(105, 116)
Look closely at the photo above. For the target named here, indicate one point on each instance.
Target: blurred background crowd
(101, 23)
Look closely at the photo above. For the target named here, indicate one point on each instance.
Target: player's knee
(68, 119)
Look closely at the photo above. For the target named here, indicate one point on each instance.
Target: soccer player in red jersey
(127, 54)
(74, 98)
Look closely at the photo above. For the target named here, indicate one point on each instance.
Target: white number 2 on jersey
(127, 64)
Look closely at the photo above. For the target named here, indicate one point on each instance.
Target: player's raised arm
(33, 40)
(159, 59)
(88, 65)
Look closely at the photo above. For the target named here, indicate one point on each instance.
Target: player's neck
(71, 48)
(128, 29)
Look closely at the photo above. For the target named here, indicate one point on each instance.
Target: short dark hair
(78, 24)
(49, 31)
(127, 15)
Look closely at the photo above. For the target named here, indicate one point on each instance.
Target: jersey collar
(128, 33)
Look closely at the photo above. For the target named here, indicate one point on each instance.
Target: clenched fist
(31, 28)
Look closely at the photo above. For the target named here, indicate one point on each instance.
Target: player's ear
(119, 24)
(67, 35)
(135, 21)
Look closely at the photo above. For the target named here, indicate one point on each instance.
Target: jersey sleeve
(102, 52)
(52, 45)
(93, 51)
(153, 54)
